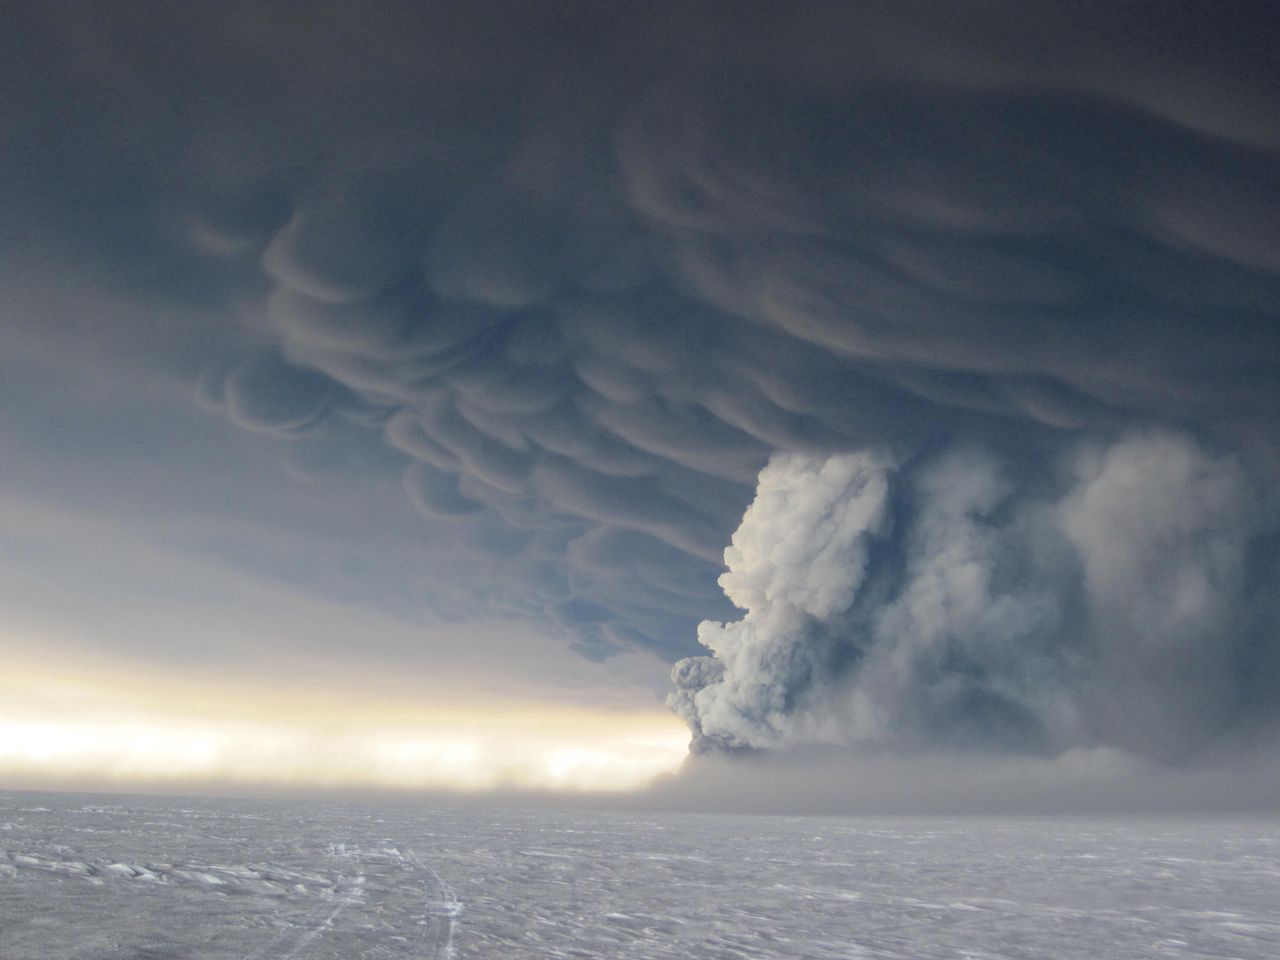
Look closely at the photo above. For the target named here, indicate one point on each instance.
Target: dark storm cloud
(994, 287)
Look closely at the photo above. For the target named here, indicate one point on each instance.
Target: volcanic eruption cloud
(940, 602)
(963, 317)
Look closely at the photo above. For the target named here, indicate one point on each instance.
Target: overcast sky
(417, 384)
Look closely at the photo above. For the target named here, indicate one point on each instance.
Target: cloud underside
(996, 321)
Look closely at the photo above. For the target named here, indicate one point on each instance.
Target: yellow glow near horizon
(175, 751)
(93, 730)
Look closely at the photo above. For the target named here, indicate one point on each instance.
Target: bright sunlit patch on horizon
(113, 730)
(171, 750)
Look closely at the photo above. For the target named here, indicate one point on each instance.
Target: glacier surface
(147, 878)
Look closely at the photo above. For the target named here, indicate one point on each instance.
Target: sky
(811, 406)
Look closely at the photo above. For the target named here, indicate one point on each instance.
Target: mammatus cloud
(754, 264)
(947, 602)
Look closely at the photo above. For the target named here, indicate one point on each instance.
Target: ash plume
(946, 602)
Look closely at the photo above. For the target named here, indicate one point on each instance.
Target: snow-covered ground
(134, 878)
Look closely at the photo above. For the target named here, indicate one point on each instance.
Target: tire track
(445, 908)
(286, 947)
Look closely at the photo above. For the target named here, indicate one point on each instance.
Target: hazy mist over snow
(906, 375)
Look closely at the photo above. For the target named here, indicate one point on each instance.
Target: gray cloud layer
(996, 291)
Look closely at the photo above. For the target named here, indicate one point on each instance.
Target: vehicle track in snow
(377, 901)
(441, 908)
(292, 943)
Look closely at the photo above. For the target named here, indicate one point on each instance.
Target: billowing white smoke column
(796, 565)
(939, 603)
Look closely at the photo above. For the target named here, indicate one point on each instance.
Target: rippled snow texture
(131, 878)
